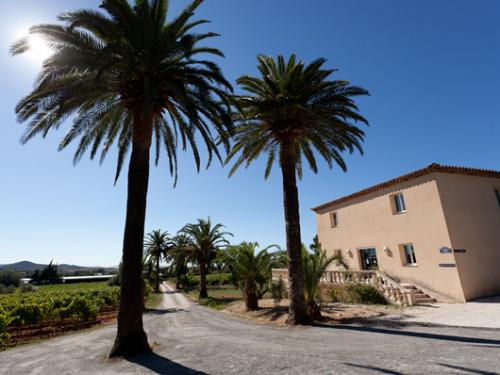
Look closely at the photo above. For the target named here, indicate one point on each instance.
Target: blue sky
(432, 68)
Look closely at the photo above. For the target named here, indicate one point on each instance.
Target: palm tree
(315, 265)
(287, 113)
(157, 244)
(206, 240)
(250, 269)
(124, 74)
(179, 254)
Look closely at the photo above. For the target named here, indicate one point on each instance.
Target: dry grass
(333, 313)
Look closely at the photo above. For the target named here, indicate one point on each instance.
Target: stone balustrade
(389, 288)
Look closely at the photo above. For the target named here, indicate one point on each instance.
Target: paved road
(189, 339)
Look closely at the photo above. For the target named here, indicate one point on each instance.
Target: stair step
(424, 300)
(420, 295)
(408, 286)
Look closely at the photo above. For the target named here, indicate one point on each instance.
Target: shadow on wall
(160, 365)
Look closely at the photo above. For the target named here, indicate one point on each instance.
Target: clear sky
(432, 68)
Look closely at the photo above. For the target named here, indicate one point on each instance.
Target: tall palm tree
(157, 244)
(250, 269)
(293, 111)
(179, 255)
(206, 240)
(125, 75)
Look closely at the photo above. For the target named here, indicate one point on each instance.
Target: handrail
(389, 287)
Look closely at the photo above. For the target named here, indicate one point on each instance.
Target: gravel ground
(188, 338)
(482, 313)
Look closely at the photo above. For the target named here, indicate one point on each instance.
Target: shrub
(213, 279)
(114, 281)
(5, 320)
(219, 279)
(27, 314)
(43, 306)
(277, 290)
(7, 289)
(84, 309)
(26, 288)
(10, 277)
(357, 293)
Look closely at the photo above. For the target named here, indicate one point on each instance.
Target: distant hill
(23, 266)
(26, 266)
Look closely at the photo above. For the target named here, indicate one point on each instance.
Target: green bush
(27, 314)
(84, 309)
(42, 306)
(5, 320)
(9, 277)
(26, 288)
(357, 293)
(213, 279)
(7, 289)
(278, 290)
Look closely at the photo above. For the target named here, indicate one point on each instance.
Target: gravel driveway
(188, 338)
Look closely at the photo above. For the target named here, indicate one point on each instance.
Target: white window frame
(334, 219)
(413, 258)
(399, 203)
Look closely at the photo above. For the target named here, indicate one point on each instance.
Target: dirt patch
(332, 313)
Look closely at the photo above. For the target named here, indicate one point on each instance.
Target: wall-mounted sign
(459, 250)
(447, 265)
(445, 250)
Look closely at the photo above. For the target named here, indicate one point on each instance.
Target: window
(409, 253)
(334, 219)
(399, 203)
(497, 193)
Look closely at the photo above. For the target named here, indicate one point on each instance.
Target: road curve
(190, 339)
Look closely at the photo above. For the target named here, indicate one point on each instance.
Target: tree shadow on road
(161, 365)
(433, 336)
(162, 311)
(468, 370)
(376, 369)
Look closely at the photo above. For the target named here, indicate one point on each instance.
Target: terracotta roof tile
(433, 168)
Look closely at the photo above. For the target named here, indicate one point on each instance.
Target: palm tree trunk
(131, 338)
(157, 282)
(297, 312)
(203, 280)
(251, 300)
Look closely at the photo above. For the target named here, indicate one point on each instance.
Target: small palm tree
(180, 249)
(125, 75)
(289, 112)
(315, 265)
(205, 240)
(250, 269)
(157, 244)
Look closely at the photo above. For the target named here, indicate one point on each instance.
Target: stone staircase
(419, 297)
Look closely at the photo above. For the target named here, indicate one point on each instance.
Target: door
(368, 259)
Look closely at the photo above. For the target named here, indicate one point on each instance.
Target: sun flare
(39, 49)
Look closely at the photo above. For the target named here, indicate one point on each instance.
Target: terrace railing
(388, 287)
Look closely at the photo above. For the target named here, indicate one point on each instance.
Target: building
(437, 228)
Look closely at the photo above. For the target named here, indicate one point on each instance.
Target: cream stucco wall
(473, 217)
(369, 221)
